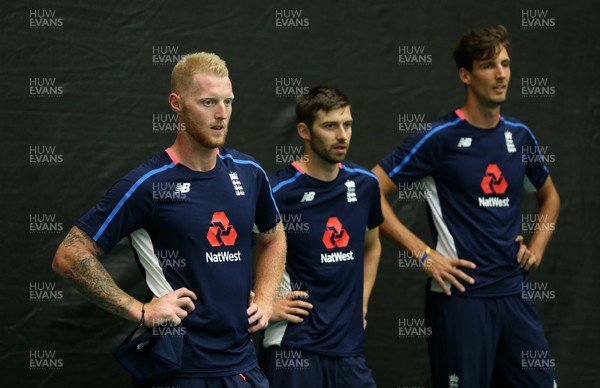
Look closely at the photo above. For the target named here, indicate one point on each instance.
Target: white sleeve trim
(155, 278)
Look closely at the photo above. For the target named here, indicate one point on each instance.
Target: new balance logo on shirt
(183, 188)
(308, 196)
(170, 191)
(464, 142)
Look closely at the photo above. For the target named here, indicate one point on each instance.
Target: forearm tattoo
(90, 277)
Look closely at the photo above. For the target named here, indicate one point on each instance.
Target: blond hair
(192, 64)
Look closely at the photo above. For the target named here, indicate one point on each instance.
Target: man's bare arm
(77, 261)
(530, 256)
(270, 262)
(371, 264)
(438, 267)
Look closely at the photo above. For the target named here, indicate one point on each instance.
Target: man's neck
(318, 168)
(481, 117)
(194, 155)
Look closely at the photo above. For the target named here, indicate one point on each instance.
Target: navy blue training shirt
(475, 179)
(325, 226)
(194, 229)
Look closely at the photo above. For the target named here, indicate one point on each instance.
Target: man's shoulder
(513, 122)
(241, 162)
(448, 119)
(287, 174)
(359, 172)
(436, 129)
(230, 155)
(159, 162)
(225, 152)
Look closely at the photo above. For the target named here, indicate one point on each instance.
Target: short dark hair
(481, 44)
(318, 98)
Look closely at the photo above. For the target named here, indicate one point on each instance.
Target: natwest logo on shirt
(222, 257)
(221, 232)
(493, 183)
(336, 256)
(335, 235)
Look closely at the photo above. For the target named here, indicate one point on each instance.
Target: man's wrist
(134, 312)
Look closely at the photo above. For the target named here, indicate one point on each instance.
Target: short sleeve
(124, 208)
(412, 160)
(375, 214)
(537, 159)
(267, 213)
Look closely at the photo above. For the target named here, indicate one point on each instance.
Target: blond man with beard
(201, 201)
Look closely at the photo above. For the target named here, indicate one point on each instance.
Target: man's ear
(303, 131)
(464, 75)
(175, 102)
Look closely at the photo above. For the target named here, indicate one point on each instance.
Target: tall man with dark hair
(199, 200)
(473, 163)
(331, 212)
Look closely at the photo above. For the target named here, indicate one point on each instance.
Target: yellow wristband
(425, 254)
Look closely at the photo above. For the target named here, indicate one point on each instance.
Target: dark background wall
(84, 100)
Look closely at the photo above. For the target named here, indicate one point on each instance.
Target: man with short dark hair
(331, 212)
(473, 163)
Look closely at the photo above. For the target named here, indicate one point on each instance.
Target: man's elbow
(60, 263)
(278, 236)
(281, 241)
(273, 239)
(551, 201)
(375, 250)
